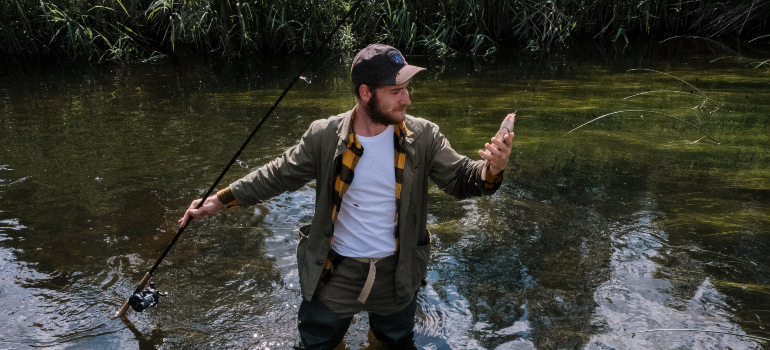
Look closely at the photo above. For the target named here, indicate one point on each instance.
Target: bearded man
(367, 248)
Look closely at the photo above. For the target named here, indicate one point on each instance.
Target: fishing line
(311, 77)
(146, 298)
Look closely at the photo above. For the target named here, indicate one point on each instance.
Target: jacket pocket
(421, 259)
(304, 231)
(304, 235)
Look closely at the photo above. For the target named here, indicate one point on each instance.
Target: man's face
(387, 106)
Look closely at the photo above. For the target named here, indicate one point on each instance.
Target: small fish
(506, 127)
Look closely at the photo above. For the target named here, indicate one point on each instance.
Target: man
(367, 248)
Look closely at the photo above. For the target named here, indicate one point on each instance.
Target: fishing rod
(143, 298)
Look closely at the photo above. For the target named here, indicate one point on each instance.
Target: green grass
(121, 30)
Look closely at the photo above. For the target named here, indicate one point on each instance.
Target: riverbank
(143, 30)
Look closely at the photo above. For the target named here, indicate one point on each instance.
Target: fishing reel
(140, 301)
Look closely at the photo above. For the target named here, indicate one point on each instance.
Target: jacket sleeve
(289, 172)
(458, 175)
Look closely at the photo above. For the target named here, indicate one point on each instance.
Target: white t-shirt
(367, 220)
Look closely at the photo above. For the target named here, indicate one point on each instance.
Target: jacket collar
(343, 130)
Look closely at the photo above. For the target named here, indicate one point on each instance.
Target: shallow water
(604, 238)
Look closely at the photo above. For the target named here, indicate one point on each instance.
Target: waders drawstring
(142, 298)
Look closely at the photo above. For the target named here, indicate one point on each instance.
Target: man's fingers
(500, 143)
(486, 156)
(508, 139)
(190, 212)
(494, 150)
(185, 218)
(211, 205)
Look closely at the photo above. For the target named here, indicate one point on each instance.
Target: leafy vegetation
(149, 29)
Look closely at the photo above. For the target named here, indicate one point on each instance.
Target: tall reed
(140, 29)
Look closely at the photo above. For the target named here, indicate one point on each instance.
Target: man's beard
(377, 115)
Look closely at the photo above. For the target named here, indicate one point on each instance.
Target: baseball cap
(383, 65)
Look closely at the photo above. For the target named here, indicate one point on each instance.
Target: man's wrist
(227, 198)
(491, 180)
(494, 171)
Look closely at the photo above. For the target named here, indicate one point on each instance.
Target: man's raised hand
(498, 151)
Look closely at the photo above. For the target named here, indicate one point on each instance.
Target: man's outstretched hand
(211, 206)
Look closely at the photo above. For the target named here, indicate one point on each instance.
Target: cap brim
(406, 73)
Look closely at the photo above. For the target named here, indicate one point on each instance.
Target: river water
(641, 230)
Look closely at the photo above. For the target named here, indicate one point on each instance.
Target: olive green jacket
(315, 157)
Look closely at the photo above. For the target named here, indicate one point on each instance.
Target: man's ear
(365, 93)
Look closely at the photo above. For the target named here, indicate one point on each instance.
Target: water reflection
(146, 340)
(622, 227)
(526, 268)
(655, 286)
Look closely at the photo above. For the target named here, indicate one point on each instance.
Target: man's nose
(405, 98)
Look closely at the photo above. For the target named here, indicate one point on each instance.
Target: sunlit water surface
(636, 231)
